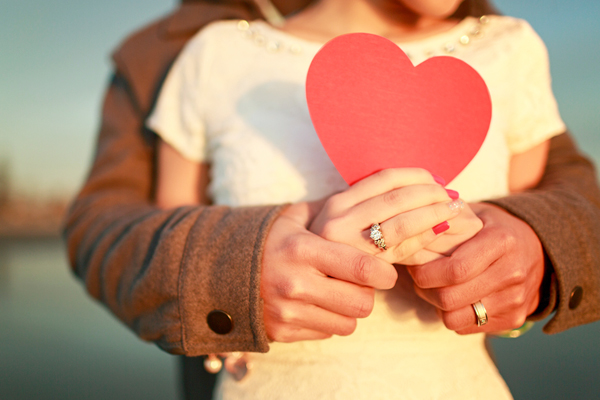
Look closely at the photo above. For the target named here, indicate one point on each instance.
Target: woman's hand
(411, 208)
(462, 228)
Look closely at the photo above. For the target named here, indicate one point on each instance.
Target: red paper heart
(373, 109)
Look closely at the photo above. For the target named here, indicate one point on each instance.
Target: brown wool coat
(162, 272)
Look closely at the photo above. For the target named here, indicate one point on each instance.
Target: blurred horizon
(56, 65)
(57, 343)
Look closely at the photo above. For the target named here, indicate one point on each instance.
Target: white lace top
(235, 98)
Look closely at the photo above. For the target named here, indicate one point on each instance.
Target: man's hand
(503, 266)
(313, 288)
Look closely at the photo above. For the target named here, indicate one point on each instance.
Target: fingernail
(456, 205)
(439, 179)
(439, 228)
(453, 194)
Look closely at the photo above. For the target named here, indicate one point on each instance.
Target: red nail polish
(439, 179)
(439, 228)
(453, 194)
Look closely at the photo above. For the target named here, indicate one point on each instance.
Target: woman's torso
(263, 149)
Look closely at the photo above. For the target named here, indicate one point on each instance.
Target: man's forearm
(564, 211)
(162, 272)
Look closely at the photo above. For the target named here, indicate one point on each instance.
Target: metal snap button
(576, 296)
(220, 322)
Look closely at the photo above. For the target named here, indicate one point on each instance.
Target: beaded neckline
(277, 41)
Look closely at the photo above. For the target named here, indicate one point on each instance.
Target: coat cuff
(565, 224)
(220, 271)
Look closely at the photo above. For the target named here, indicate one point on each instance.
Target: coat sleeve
(161, 272)
(564, 211)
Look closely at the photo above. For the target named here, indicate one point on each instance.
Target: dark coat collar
(194, 14)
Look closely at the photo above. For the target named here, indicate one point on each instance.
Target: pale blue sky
(54, 65)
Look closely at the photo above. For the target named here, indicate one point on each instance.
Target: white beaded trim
(272, 46)
(451, 47)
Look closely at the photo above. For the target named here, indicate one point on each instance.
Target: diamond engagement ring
(377, 236)
(481, 313)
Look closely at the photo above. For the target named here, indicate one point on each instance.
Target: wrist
(547, 303)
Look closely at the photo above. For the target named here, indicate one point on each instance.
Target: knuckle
(363, 309)
(390, 277)
(518, 276)
(517, 321)
(437, 192)
(294, 249)
(447, 299)
(392, 197)
(363, 269)
(458, 271)
(423, 174)
(450, 321)
(276, 334)
(418, 276)
(292, 289)
(335, 202)
(285, 336)
(289, 316)
(347, 328)
(281, 315)
(330, 229)
(286, 315)
(401, 228)
(419, 174)
(507, 239)
(387, 174)
(518, 300)
(441, 212)
(400, 252)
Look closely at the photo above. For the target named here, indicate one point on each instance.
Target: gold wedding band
(480, 313)
(377, 236)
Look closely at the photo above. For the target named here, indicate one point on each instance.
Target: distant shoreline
(25, 218)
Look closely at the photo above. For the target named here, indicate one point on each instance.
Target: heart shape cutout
(373, 109)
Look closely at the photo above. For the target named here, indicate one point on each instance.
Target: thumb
(304, 213)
